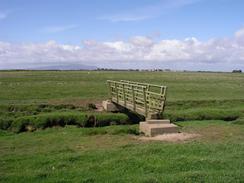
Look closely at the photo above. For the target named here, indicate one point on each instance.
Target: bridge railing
(139, 97)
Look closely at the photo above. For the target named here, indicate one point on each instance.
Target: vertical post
(161, 90)
(109, 90)
(117, 92)
(165, 87)
(164, 95)
(149, 101)
(145, 101)
(124, 95)
(133, 98)
(148, 87)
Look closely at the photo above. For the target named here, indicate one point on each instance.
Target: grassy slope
(109, 155)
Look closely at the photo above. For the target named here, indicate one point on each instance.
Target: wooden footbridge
(142, 98)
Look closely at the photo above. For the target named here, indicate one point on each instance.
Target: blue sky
(74, 20)
(71, 22)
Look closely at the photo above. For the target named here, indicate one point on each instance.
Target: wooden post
(109, 89)
(124, 95)
(161, 90)
(133, 98)
(117, 92)
(150, 101)
(164, 98)
(145, 101)
(148, 87)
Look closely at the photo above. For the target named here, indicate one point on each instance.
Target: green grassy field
(72, 86)
(191, 96)
(208, 104)
(112, 154)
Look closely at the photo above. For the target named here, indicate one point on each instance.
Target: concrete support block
(143, 128)
(109, 106)
(157, 127)
(158, 121)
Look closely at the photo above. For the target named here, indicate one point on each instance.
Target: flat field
(210, 105)
(71, 86)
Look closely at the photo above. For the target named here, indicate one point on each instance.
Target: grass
(191, 96)
(110, 154)
(74, 86)
(46, 120)
(209, 104)
(50, 119)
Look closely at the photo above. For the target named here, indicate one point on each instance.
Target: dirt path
(172, 137)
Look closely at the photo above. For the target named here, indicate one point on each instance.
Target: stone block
(153, 128)
(158, 121)
(109, 106)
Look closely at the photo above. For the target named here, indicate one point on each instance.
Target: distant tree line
(237, 71)
(151, 70)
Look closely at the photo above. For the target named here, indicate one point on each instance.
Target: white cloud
(239, 33)
(119, 46)
(137, 52)
(141, 41)
(60, 28)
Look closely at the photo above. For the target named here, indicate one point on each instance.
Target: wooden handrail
(149, 86)
(137, 96)
(144, 84)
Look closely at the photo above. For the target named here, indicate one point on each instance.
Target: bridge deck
(142, 98)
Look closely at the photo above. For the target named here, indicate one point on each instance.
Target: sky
(137, 34)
